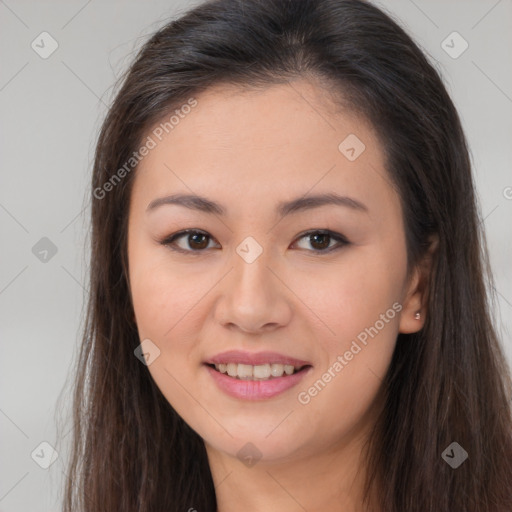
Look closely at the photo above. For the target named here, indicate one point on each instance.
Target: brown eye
(191, 241)
(321, 241)
(197, 241)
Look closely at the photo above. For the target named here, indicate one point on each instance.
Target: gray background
(51, 110)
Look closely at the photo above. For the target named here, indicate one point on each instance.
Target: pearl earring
(417, 315)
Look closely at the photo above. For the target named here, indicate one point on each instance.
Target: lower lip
(256, 389)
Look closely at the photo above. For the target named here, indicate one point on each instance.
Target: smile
(250, 387)
(266, 371)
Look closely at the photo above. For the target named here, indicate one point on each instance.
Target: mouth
(255, 376)
(260, 372)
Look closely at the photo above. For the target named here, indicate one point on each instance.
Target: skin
(249, 150)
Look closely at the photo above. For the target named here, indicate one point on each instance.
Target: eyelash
(170, 240)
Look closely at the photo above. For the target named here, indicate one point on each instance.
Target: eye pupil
(324, 239)
(198, 235)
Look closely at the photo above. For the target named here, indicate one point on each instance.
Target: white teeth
(261, 371)
(257, 372)
(244, 371)
(288, 369)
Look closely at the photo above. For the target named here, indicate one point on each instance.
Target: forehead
(283, 141)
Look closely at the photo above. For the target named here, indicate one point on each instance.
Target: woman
(288, 302)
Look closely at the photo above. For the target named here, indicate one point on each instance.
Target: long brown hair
(447, 383)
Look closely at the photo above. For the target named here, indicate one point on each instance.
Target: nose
(253, 297)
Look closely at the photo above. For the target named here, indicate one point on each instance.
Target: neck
(329, 479)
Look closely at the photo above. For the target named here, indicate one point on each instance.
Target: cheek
(152, 301)
(361, 304)
(162, 293)
(163, 299)
(355, 360)
(170, 307)
(351, 294)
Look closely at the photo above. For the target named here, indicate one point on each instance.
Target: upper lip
(255, 358)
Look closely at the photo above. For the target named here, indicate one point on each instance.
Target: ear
(416, 296)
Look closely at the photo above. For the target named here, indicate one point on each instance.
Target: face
(316, 287)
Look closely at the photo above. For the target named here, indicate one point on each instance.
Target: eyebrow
(202, 204)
